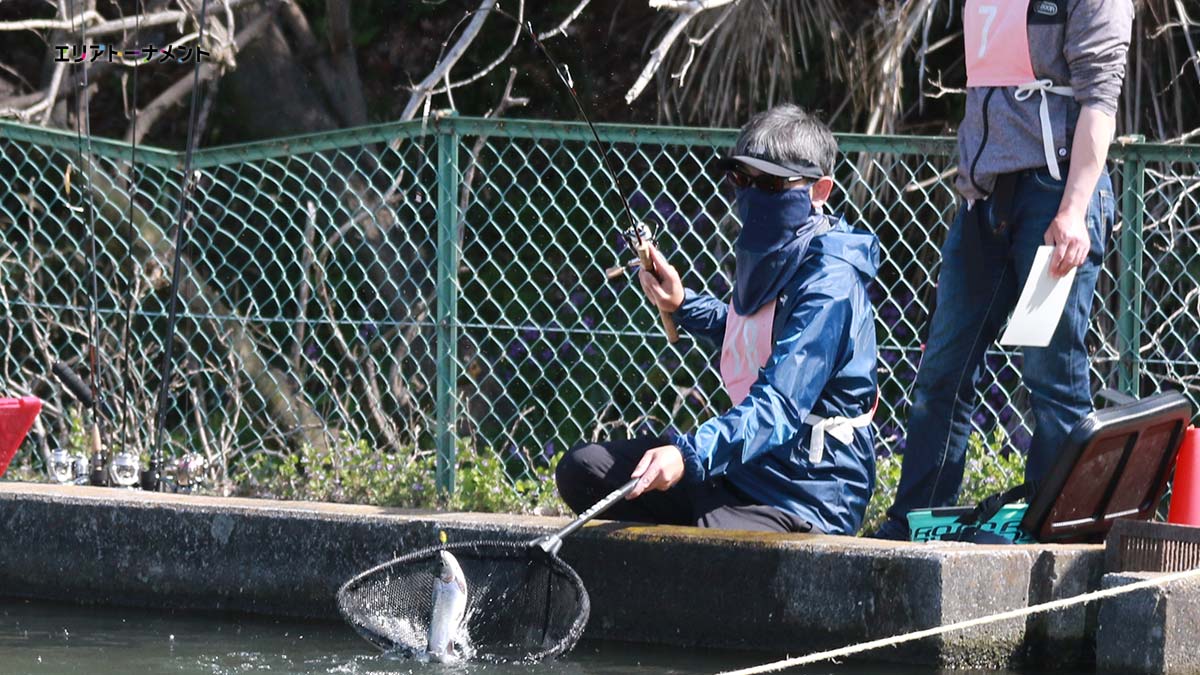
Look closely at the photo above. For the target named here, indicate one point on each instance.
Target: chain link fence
(426, 287)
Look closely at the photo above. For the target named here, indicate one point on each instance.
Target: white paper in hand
(1041, 304)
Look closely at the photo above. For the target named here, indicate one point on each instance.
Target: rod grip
(74, 384)
(668, 324)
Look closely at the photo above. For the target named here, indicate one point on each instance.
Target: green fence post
(1129, 320)
(447, 306)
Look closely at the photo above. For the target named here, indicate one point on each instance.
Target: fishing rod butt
(151, 476)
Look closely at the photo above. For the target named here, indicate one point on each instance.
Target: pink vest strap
(746, 349)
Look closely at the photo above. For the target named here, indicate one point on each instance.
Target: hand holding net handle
(552, 542)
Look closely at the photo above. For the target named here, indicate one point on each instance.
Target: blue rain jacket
(823, 362)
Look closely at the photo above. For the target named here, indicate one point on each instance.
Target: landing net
(523, 604)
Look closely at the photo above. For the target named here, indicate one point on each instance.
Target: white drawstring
(1043, 87)
(841, 428)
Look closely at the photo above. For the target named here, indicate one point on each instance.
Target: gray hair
(788, 133)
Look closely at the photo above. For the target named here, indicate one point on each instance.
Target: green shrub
(351, 471)
(991, 467)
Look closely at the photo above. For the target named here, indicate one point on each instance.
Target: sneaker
(891, 529)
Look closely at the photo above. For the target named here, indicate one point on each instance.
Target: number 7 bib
(997, 43)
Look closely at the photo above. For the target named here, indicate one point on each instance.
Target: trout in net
(520, 601)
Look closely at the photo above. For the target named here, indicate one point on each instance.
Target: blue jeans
(973, 303)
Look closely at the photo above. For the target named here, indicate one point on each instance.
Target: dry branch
(688, 10)
(176, 92)
(421, 92)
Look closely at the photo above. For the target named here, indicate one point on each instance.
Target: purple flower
(579, 298)
(638, 200)
(980, 419)
(1021, 439)
(589, 321)
(517, 351)
(1006, 414)
(547, 355)
(530, 334)
(664, 206)
(890, 356)
(311, 350)
(368, 331)
(548, 450)
(566, 351)
(589, 350)
(417, 487)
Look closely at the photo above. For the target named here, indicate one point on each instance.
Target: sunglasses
(765, 182)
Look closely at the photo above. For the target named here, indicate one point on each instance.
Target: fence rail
(418, 285)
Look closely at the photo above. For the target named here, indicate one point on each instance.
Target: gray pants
(591, 470)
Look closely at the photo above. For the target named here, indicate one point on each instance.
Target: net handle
(552, 542)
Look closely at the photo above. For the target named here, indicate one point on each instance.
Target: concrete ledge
(677, 586)
(1152, 630)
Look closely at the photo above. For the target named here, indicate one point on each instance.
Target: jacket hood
(859, 248)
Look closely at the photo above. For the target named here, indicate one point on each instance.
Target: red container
(16, 416)
(1185, 493)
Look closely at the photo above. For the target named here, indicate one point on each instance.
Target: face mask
(771, 219)
(776, 230)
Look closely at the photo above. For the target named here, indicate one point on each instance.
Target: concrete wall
(676, 586)
(1151, 630)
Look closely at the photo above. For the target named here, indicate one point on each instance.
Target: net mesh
(522, 603)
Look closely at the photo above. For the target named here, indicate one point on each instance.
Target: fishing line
(150, 477)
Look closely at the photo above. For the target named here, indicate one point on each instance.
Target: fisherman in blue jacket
(796, 452)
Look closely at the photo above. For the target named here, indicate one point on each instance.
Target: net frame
(396, 585)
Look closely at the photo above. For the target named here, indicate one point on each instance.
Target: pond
(38, 638)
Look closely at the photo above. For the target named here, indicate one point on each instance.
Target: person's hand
(1068, 234)
(660, 469)
(663, 287)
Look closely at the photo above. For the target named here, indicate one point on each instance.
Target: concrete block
(1150, 630)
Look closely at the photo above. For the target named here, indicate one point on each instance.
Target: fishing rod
(127, 457)
(151, 477)
(637, 236)
(98, 471)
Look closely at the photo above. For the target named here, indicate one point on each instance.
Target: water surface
(39, 638)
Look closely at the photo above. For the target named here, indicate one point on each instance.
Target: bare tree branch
(102, 26)
(688, 10)
(175, 93)
(562, 27)
(421, 92)
(491, 66)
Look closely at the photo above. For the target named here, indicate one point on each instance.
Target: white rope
(961, 625)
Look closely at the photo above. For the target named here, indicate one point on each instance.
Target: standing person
(1043, 81)
(796, 452)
